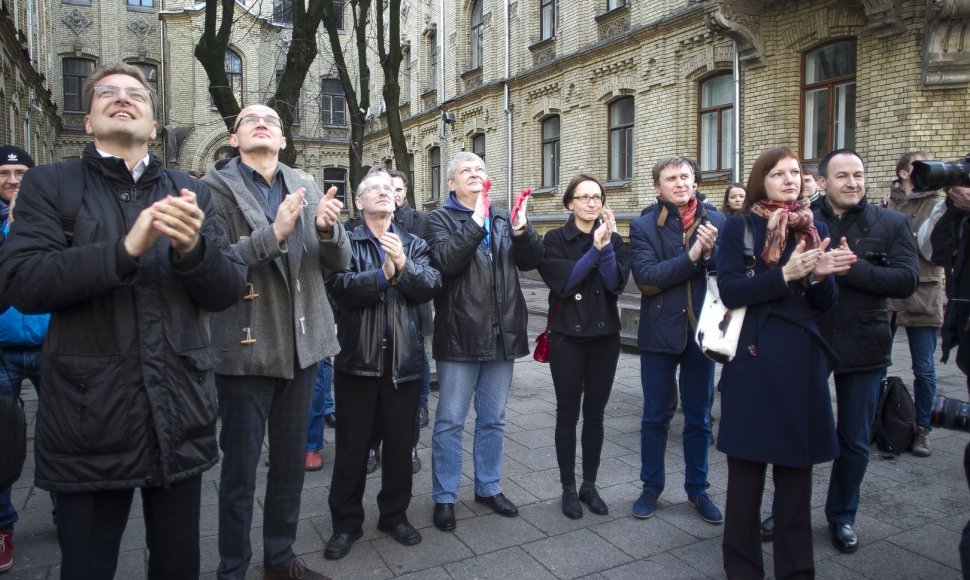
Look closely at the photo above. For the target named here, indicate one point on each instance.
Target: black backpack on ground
(894, 429)
(13, 440)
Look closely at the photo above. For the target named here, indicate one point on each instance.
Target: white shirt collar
(136, 171)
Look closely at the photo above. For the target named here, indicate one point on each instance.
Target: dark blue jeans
(658, 378)
(247, 405)
(425, 384)
(857, 395)
(922, 348)
(14, 368)
(321, 405)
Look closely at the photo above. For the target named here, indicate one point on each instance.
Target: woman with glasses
(585, 266)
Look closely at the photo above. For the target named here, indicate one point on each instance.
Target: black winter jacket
(481, 298)
(129, 395)
(951, 249)
(589, 309)
(857, 327)
(365, 311)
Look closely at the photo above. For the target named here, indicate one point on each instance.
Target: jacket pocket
(194, 403)
(91, 407)
(862, 340)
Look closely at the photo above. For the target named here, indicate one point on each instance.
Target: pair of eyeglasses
(596, 199)
(18, 173)
(137, 94)
(268, 120)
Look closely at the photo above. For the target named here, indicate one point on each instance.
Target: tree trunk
(211, 54)
(390, 58)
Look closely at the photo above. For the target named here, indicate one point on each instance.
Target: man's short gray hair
(462, 156)
(375, 173)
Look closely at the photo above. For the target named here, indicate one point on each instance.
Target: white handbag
(719, 327)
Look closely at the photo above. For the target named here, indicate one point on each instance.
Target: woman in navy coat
(775, 402)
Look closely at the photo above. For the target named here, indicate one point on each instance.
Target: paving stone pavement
(910, 518)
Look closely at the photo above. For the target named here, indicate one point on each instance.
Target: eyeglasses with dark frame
(585, 199)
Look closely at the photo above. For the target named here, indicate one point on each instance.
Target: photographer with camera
(922, 313)
(950, 241)
(857, 327)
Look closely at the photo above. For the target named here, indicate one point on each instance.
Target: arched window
(621, 139)
(477, 35)
(550, 151)
(715, 123)
(233, 67)
(828, 97)
(75, 71)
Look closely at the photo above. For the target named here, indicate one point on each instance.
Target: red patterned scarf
(687, 215)
(781, 216)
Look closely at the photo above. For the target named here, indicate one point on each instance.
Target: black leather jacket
(366, 314)
(857, 327)
(482, 298)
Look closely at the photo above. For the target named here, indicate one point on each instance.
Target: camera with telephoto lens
(950, 414)
(933, 175)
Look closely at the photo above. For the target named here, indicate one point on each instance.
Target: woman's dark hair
(725, 207)
(755, 190)
(574, 183)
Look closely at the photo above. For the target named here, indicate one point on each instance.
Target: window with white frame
(477, 36)
(715, 121)
(621, 139)
(829, 98)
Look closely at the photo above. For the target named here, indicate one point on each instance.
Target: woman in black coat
(775, 402)
(585, 267)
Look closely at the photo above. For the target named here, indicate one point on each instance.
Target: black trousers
(793, 521)
(582, 372)
(364, 401)
(90, 526)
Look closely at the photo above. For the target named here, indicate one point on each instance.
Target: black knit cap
(10, 155)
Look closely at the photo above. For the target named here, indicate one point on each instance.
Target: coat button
(601, 324)
(578, 297)
(578, 328)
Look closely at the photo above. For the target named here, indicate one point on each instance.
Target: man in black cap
(14, 163)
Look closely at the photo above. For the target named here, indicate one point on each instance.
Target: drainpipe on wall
(440, 39)
(162, 72)
(508, 104)
(736, 72)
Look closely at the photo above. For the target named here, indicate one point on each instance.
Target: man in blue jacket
(20, 334)
(671, 247)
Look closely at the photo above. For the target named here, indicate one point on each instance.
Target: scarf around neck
(782, 216)
(687, 216)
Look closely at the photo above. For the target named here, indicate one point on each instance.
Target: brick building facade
(545, 88)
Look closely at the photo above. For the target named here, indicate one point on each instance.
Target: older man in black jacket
(380, 366)
(479, 331)
(857, 327)
(129, 398)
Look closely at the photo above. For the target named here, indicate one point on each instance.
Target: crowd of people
(143, 305)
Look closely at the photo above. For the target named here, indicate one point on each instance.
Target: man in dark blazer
(285, 234)
(857, 327)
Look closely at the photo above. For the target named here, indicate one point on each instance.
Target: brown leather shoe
(296, 569)
(313, 461)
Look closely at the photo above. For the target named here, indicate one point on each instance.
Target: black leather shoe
(339, 545)
(499, 504)
(331, 420)
(444, 516)
(768, 529)
(844, 537)
(403, 533)
(570, 503)
(589, 496)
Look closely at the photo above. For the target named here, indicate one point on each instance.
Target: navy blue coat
(775, 402)
(671, 284)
